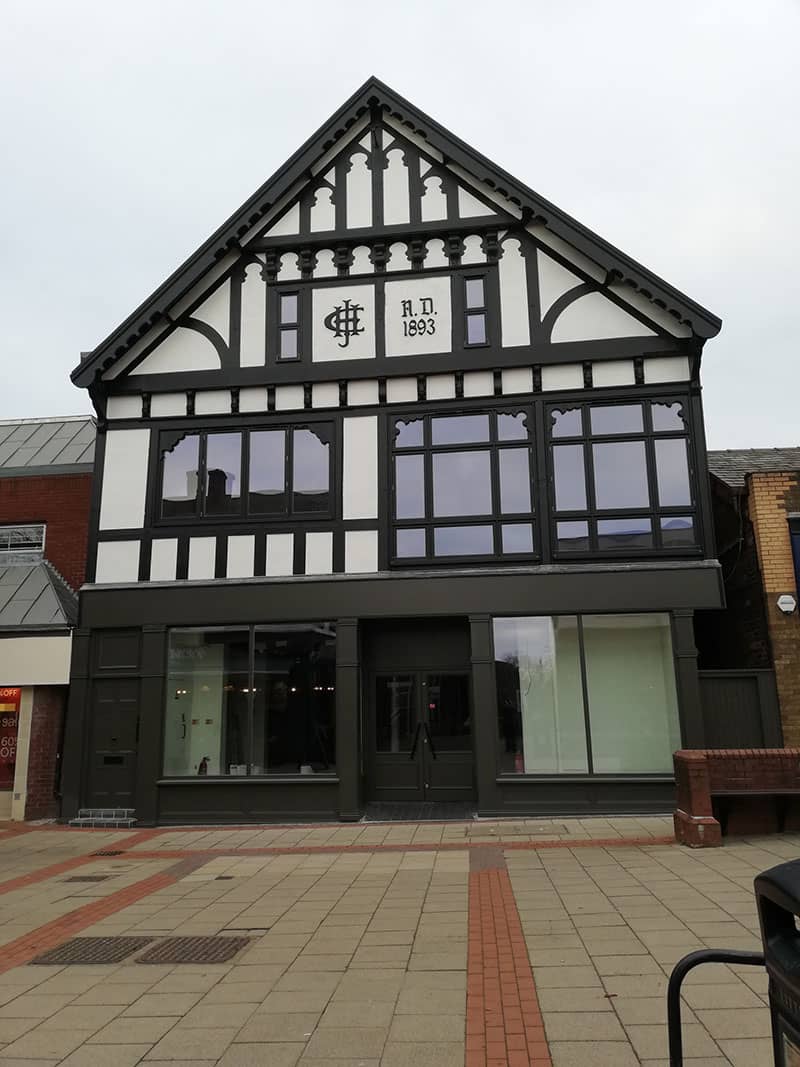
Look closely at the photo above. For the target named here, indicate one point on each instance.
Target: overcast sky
(130, 131)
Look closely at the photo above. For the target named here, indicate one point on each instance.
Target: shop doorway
(114, 744)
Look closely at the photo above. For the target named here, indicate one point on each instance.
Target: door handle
(430, 740)
(415, 741)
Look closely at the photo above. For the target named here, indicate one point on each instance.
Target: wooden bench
(769, 779)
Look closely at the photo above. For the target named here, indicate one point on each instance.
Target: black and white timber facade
(401, 495)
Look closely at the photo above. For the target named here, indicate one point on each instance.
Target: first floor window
(592, 694)
(22, 544)
(251, 701)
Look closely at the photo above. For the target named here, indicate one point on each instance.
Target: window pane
(624, 533)
(512, 427)
(294, 722)
(572, 536)
(288, 309)
(570, 479)
(672, 470)
(474, 293)
(410, 544)
(460, 430)
(677, 532)
(462, 484)
(667, 417)
(409, 487)
(395, 713)
(288, 344)
(408, 434)
(268, 472)
(447, 711)
(205, 731)
(619, 418)
(310, 472)
(566, 423)
(181, 478)
(620, 475)
(540, 696)
(517, 537)
(515, 480)
(476, 328)
(633, 707)
(223, 473)
(463, 541)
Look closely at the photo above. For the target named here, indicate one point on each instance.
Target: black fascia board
(618, 265)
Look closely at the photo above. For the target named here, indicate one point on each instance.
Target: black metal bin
(778, 898)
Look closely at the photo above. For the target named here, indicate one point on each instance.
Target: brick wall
(47, 727)
(772, 496)
(60, 501)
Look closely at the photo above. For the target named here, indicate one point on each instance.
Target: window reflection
(463, 541)
(566, 423)
(620, 475)
(616, 418)
(672, 470)
(460, 429)
(181, 478)
(411, 543)
(573, 536)
(517, 537)
(570, 477)
(408, 434)
(677, 531)
(667, 417)
(268, 472)
(409, 487)
(515, 480)
(624, 533)
(512, 427)
(223, 473)
(462, 484)
(310, 472)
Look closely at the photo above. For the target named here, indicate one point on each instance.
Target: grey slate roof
(734, 464)
(34, 596)
(52, 446)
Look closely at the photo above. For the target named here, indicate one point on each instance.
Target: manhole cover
(87, 878)
(94, 950)
(224, 878)
(108, 852)
(194, 950)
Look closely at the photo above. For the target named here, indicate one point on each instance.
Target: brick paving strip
(23, 949)
(504, 1023)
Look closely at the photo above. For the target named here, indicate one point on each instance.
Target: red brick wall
(60, 501)
(47, 727)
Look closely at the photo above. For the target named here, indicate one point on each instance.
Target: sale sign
(9, 718)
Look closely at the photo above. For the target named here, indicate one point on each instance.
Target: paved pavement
(400, 945)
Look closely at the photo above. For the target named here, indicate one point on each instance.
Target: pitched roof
(375, 98)
(732, 465)
(34, 596)
(47, 446)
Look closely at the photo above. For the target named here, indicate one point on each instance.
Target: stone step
(103, 823)
(106, 813)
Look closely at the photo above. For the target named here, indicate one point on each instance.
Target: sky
(131, 131)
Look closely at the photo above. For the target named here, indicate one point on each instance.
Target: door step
(108, 818)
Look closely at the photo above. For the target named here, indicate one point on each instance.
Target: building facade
(401, 496)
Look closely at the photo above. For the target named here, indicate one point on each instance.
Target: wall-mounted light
(786, 603)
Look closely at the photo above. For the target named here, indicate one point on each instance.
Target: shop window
(621, 479)
(251, 701)
(22, 544)
(590, 694)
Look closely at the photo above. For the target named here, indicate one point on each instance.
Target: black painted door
(113, 745)
(421, 743)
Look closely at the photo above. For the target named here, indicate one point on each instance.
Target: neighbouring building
(755, 640)
(45, 498)
(402, 497)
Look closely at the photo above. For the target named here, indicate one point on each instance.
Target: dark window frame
(286, 327)
(483, 309)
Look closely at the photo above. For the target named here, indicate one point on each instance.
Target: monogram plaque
(344, 323)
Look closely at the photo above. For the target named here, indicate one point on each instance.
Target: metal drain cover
(108, 852)
(87, 878)
(194, 950)
(94, 950)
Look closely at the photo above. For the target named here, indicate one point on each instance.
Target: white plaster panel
(595, 318)
(164, 559)
(572, 255)
(253, 398)
(412, 137)
(289, 267)
(517, 380)
(657, 315)
(613, 372)
(39, 660)
(469, 206)
(124, 479)
(124, 407)
(182, 350)
(554, 281)
(398, 257)
(361, 551)
(288, 225)
(202, 557)
(289, 397)
(436, 255)
(325, 395)
(280, 555)
(440, 387)
(362, 264)
(359, 193)
(562, 376)
(212, 402)
(396, 200)
(362, 393)
(325, 264)
(513, 296)
(478, 383)
(241, 556)
(319, 552)
(253, 341)
(434, 201)
(135, 351)
(164, 405)
(486, 190)
(401, 390)
(473, 250)
(322, 215)
(421, 301)
(666, 369)
(117, 561)
(328, 157)
(325, 302)
(360, 468)
(215, 311)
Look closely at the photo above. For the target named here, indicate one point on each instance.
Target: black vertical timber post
(76, 754)
(484, 713)
(151, 718)
(690, 707)
(348, 689)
